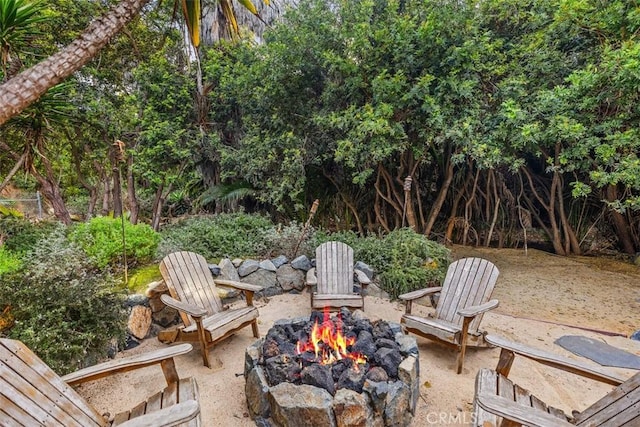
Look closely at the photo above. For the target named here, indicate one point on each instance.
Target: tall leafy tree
(25, 88)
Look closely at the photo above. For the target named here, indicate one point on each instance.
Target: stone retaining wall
(148, 314)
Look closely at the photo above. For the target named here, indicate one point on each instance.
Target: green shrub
(223, 235)
(9, 261)
(65, 309)
(101, 239)
(348, 237)
(20, 235)
(289, 240)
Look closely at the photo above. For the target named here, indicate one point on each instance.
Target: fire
(328, 343)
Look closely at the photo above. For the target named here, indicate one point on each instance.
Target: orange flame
(328, 343)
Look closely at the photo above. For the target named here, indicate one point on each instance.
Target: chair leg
(463, 342)
(505, 362)
(203, 342)
(205, 355)
(254, 328)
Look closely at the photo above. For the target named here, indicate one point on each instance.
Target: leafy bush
(20, 235)
(403, 259)
(223, 235)
(289, 240)
(9, 261)
(101, 239)
(65, 309)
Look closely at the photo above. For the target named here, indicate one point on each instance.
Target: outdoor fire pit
(341, 370)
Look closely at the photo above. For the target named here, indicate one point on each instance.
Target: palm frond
(227, 194)
(192, 10)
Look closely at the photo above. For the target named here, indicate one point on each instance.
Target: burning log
(324, 364)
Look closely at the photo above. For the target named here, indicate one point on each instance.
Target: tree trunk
(51, 191)
(496, 200)
(556, 239)
(13, 171)
(116, 191)
(106, 194)
(439, 202)
(76, 152)
(467, 209)
(620, 222)
(553, 232)
(134, 208)
(571, 245)
(22, 90)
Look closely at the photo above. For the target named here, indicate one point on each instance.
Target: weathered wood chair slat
(194, 294)
(333, 278)
(500, 402)
(31, 394)
(464, 298)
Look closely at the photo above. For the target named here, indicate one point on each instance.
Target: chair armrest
(190, 309)
(554, 360)
(126, 364)
(409, 296)
(239, 285)
(510, 410)
(172, 416)
(363, 279)
(312, 280)
(474, 310)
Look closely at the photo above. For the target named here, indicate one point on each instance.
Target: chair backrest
(621, 407)
(334, 268)
(189, 280)
(469, 281)
(32, 394)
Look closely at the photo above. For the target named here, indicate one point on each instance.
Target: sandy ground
(542, 297)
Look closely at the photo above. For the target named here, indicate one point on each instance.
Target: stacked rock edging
(148, 314)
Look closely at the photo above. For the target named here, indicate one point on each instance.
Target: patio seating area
(445, 398)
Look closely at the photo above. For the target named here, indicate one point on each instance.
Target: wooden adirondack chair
(333, 278)
(464, 298)
(194, 295)
(31, 394)
(498, 401)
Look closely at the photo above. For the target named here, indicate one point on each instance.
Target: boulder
(139, 321)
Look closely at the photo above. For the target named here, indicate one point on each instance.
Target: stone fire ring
(391, 403)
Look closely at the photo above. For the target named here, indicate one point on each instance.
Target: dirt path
(595, 293)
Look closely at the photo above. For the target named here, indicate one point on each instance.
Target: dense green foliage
(403, 260)
(20, 235)
(215, 237)
(531, 101)
(65, 308)
(102, 239)
(503, 113)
